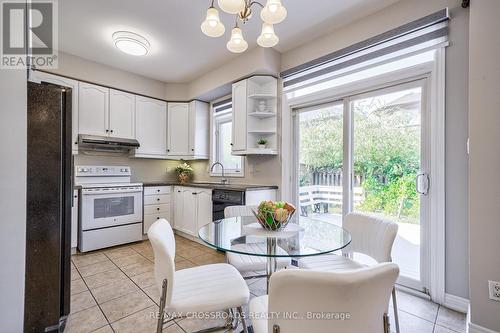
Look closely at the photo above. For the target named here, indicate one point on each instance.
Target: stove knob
(85, 170)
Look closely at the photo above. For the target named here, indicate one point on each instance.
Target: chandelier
(272, 13)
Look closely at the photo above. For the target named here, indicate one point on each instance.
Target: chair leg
(161, 313)
(387, 324)
(395, 306)
(243, 321)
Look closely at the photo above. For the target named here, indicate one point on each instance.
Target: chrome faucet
(223, 180)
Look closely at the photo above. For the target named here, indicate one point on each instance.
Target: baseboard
(456, 303)
(473, 328)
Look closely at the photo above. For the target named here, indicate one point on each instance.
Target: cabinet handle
(158, 190)
(178, 191)
(192, 149)
(158, 209)
(168, 149)
(111, 131)
(231, 143)
(107, 131)
(157, 218)
(194, 193)
(157, 199)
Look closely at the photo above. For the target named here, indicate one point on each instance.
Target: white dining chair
(324, 302)
(202, 289)
(245, 263)
(370, 236)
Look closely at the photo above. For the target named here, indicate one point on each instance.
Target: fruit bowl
(274, 216)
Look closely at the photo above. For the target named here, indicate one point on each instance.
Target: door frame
(434, 73)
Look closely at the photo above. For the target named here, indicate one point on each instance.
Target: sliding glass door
(320, 162)
(379, 140)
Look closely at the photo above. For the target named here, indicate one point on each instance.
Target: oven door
(107, 207)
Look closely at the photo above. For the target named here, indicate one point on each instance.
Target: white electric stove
(110, 207)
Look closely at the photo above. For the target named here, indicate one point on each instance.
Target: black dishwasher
(224, 198)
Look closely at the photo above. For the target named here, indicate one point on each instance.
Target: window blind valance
(222, 105)
(421, 34)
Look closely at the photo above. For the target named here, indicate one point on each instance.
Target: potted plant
(262, 143)
(184, 171)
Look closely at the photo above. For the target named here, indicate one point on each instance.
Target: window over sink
(222, 128)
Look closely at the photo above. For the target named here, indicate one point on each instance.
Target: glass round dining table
(300, 238)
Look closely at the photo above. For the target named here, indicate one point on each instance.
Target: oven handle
(112, 191)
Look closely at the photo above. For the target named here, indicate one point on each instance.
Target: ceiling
(179, 50)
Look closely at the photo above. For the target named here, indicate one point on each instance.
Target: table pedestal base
(272, 262)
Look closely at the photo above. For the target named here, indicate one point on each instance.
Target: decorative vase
(262, 146)
(183, 177)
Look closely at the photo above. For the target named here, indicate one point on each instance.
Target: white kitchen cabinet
(239, 137)
(193, 209)
(74, 220)
(203, 207)
(178, 129)
(188, 130)
(93, 109)
(255, 116)
(151, 127)
(185, 210)
(38, 76)
(157, 205)
(121, 114)
(199, 130)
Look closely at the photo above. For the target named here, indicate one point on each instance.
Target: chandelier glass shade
(237, 44)
(273, 12)
(267, 37)
(232, 6)
(212, 26)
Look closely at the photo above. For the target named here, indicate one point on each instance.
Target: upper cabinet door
(93, 102)
(151, 127)
(121, 114)
(239, 134)
(199, 121)
(65, 82)
(178, 129)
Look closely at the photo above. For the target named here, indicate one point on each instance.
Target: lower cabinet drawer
(157, 209)
(150, 190)
(152, 218)
(156, 199)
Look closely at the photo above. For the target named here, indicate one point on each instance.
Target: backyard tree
(386, 152)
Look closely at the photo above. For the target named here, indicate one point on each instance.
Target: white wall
(456, 110)
(12, 198)
(87, 70)
(484, 161)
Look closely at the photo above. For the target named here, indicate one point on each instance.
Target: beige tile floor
(113, 290)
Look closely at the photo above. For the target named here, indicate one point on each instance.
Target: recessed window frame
(221, 113)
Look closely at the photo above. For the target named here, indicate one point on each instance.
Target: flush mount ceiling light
(131, 43)
(273, 12)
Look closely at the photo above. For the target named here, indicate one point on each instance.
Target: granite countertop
(213, 185)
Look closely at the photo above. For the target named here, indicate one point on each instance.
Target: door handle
(422, 183)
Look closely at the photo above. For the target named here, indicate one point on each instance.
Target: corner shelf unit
(255, 116)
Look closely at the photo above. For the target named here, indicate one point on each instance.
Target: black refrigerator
(48, 216)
